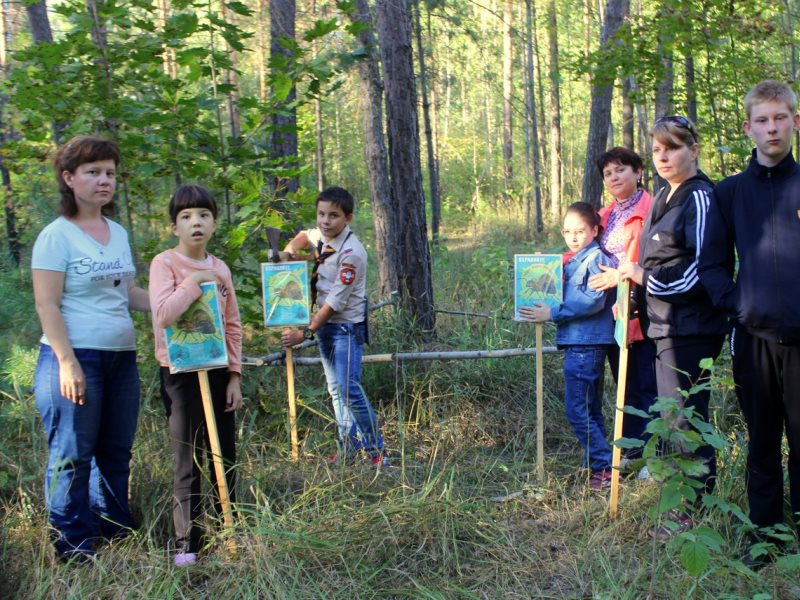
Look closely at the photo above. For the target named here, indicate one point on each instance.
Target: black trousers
(678, 368)
(190, 445)
(640, 388)
(767, 377)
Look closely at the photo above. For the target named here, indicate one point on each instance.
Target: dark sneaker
(672, 523)
(600, 480)
(755, 558)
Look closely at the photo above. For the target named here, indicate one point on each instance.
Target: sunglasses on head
(680, 121)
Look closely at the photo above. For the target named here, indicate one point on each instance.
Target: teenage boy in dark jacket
(758, 213)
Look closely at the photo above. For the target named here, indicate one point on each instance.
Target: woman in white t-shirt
(86, 382)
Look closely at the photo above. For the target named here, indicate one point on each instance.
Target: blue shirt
(585, 316)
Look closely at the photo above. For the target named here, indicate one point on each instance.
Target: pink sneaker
(600, 480)
(185, 558)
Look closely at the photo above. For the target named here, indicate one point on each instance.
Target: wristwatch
(308, 334)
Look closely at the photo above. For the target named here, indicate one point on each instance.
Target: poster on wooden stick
(538, 280)
(287, 303)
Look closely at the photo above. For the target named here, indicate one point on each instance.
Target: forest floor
(460, 514)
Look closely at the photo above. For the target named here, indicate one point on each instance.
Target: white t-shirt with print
(94, 302)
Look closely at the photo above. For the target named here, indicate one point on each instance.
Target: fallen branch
(279, 357)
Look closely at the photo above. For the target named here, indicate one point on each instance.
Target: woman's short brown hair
(80, 150)
(621, 156)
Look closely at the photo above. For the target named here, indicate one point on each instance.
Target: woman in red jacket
(622, 222)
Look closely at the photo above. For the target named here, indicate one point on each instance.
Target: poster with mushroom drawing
(196, 341)
(286, 295)
(538, 279)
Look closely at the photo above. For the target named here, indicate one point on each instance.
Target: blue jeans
(86, 485)
(340, 346)
(583, 374)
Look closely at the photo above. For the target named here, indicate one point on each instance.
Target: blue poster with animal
(538, 279)
(196, 341)
(287, 301)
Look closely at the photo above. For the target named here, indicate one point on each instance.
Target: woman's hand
(538, 313)
(72, 380)
(233, 394)
(607, 280)
(632, 271)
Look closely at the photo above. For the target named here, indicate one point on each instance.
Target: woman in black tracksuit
(680, 316)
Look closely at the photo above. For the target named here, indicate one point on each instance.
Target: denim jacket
(584, 317)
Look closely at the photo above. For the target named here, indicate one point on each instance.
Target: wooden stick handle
(292, 405)
(216, 453)
(622, 378)
(539, 404)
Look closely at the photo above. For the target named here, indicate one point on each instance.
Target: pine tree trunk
(43, 34)
(600, 117)
(283, 135)
(542, 123)
(433, 171)
(532, 141)
(384, 208)
(508, 92)
(414, 272)
(555, 117)
(261, 49)
(627, 114)
(6, 133)
(319, 146)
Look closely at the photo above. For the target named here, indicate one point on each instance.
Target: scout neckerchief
(321, 254)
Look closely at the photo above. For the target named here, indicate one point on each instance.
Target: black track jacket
(672, 235)
(758, 213)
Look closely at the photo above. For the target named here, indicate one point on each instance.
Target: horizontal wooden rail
(279, 358)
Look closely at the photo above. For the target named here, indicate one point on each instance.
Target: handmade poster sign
(196, 340)
(538, 279)
(286, 296)
(623, 306)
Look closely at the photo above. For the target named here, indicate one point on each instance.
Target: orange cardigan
(633, 233)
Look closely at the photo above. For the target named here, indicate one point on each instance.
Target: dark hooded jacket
(758, 212)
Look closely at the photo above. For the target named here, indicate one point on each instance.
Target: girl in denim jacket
(584, 330)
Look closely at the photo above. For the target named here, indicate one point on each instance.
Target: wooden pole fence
(278, 359)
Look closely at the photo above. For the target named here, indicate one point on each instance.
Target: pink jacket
(171, 293)
(633, 234)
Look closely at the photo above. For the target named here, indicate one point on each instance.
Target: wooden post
(216, 453)
(623, 305)
(292, 405)
(539, 404)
